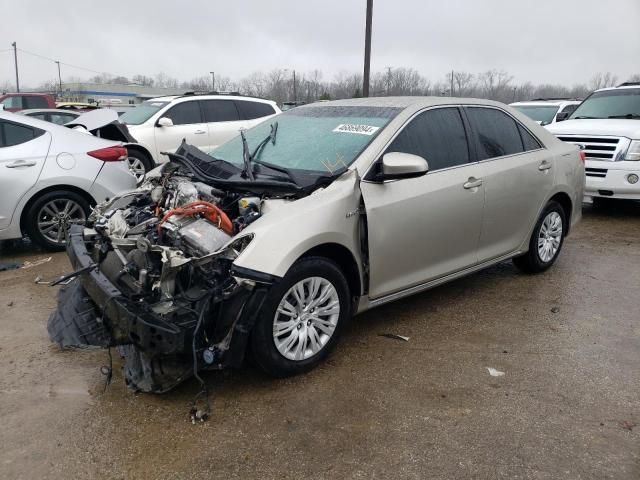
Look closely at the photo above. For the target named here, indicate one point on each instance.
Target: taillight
(110, 154)
(583, 156)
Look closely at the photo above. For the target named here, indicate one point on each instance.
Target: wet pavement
(567, 406)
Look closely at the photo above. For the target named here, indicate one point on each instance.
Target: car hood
(612, 127)
(102, 123)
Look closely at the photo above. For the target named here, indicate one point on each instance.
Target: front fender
(284, 235)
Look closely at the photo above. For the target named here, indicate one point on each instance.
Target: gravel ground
(567, 406)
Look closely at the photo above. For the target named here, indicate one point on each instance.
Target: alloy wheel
(550, 236)
(137, 168)
(306, 318)
(55, 218)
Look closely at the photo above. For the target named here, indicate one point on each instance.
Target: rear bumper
(610, 180)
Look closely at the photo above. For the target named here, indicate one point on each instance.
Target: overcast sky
(556, 41)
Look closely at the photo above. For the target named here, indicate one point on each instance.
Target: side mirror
(562, 116)
(398, 165)
(165, 122)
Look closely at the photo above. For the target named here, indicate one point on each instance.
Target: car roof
(620, 87)
(48, 110)
(171, 98)
(402, 102)
(539, 103)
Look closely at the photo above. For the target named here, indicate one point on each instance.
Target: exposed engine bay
(155, 276)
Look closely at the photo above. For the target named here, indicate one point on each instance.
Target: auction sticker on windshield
(352, 128)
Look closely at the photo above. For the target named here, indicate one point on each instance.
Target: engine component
(203, 237)
(249, 204)
(210, 211)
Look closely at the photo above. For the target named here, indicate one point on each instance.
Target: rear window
(250, 110)
(14, 134)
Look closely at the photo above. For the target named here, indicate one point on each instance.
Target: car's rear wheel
(302, 318)
(546, 240)
(51, 215)
(139, 164)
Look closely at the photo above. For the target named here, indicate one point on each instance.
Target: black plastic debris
(74, 323)
(5, 266)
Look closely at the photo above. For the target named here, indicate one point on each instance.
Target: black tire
(531, 262)
(265, 352)
(142, 158)
(32, 216)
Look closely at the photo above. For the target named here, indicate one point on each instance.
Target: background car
(606, 126)
(53, 115)
(545, 111)
(13, 102)
(77, 106)
(206, 121)
(51, 175)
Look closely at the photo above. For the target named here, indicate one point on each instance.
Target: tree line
(279, 84)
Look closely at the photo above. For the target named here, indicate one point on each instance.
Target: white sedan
(51, 175)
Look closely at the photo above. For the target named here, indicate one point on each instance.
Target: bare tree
(603, 80)
(495, 85)
(463, 84)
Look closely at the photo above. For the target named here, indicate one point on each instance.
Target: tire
(139, 164)
(46, 222)
(319, 333)
(541, 254)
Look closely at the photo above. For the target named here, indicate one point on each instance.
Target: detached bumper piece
(158, 348)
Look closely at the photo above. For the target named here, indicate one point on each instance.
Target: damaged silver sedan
(275, 239)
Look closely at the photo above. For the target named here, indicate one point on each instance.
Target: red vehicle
(13, 102)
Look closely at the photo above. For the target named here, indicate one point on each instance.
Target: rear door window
(496, 132)
(34, 102)
(251, 110)
(436, 135)
(14, 134)
(185, 113)
(219, 111)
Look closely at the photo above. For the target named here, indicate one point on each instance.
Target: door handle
(472, 183)
(22, 163)
(199, 132)
(544, 166)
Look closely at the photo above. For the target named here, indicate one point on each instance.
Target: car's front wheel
(546, 240)
(302, 318)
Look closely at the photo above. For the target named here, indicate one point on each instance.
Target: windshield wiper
(626, 115)
(246, 157)
(583, 117)
(269, 138)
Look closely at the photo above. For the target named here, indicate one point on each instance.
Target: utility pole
(388, 80)
(367, 50)
(15, 57)
(213, 81)
(59, 76)
(451, 91)
(295, 96)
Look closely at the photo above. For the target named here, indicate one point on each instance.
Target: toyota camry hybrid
(273, 240)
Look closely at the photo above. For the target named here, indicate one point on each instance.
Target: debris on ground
(35, 263)
(394, 336)
(4, 266)
(555, 310)
(10, 304)
(627, 425)
(495, 373)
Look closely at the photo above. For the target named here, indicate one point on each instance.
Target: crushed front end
(156, 279)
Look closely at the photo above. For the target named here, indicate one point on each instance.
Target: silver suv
(278, 236)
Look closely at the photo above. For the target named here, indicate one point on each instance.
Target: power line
(44, 57)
